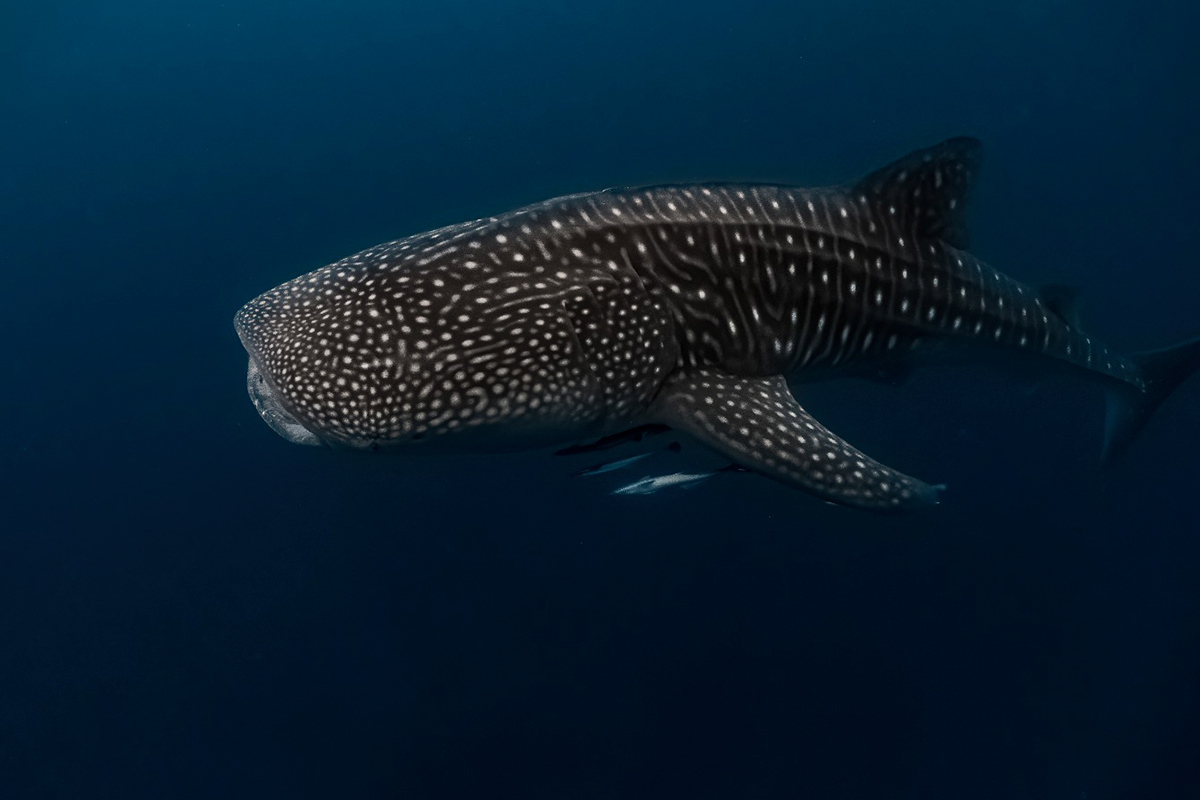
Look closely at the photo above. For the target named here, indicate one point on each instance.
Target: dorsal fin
(1062, 300)
(928, 189)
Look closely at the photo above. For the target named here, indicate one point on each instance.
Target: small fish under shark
(656, 483)
(624, 463)
(690, 307)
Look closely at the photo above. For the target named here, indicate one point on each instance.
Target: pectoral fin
(758, 424)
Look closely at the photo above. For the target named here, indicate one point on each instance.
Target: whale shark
(695, 307)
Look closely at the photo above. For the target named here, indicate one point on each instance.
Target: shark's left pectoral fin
(759, 425)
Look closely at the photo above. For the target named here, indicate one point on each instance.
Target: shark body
(687, 306)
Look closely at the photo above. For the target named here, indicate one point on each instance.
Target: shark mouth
(271, 409)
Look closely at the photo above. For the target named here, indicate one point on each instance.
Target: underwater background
(192, 607)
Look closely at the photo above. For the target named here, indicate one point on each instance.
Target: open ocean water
(192, 607)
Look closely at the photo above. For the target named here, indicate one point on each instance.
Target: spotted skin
(690, 306)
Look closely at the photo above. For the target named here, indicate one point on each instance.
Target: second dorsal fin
(926, 191)
(1062, 300)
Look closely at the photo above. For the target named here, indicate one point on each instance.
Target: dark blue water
(191, 607)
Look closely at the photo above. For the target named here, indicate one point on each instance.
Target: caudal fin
(1129, 409)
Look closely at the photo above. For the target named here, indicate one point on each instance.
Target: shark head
(427, 339)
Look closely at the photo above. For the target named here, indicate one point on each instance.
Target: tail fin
(1129, 409)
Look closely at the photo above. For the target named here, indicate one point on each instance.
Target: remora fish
(613, 466)
(687, 306)
(650, 485)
